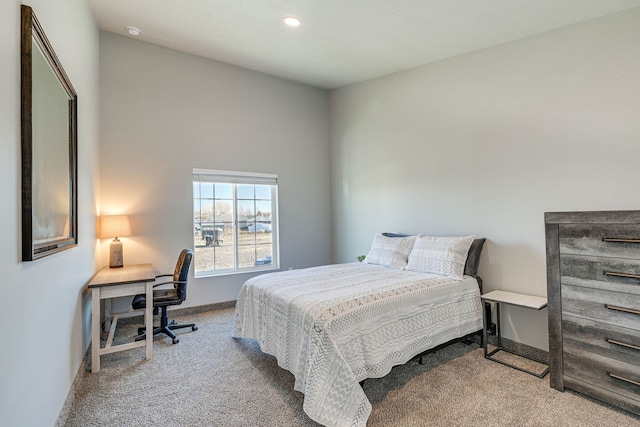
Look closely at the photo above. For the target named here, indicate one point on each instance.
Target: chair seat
(160, 297)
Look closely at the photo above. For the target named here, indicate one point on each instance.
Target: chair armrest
(170, 282)
(163, 283)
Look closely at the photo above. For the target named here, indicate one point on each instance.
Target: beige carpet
(211, 379)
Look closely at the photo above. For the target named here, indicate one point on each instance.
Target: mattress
(333, 326)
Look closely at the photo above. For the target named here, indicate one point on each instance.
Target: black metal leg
(174, 325)
(168, 332)
(485, 323)
(498, 329)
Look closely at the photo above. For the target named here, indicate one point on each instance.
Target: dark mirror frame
(32, 249)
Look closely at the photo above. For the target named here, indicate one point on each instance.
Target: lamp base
(115, 254)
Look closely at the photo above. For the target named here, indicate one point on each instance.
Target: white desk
(510, 298)
(117, 282)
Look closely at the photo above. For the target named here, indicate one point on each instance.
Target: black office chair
(163, 298)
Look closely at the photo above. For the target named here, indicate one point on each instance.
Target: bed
(333, 326)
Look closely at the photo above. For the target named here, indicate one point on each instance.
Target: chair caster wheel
(141, 331)
(194, 328)
(175, 340)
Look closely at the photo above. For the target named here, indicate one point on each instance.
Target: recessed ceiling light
(292, 21)
(133, 31)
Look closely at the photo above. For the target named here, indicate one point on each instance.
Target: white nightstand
(511, 298)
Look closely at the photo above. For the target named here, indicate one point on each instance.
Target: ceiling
(340, 41)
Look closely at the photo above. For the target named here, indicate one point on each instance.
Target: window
(235, 222)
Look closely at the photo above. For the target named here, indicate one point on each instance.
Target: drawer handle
(620, 240)
(618, 377)
(624, 309)
(617, 274)
(622, 344)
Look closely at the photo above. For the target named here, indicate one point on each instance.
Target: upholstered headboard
(473, 258)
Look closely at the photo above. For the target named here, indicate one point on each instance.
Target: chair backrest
(181, 273)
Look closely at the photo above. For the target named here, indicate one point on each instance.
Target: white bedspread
(335, 325)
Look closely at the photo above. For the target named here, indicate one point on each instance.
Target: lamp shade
(115, 226)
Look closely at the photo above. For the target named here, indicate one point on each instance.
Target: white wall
(44, 311)
(164, 113)
(487, 142)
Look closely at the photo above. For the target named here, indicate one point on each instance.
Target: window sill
(203, 274)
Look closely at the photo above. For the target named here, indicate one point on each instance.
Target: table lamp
(115, 226)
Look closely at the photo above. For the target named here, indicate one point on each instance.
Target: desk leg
(95, 330)
(148, 320)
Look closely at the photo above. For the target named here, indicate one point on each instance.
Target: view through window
(234, 222)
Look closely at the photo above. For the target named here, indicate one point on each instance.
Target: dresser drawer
(609, 240)
(612, 341)
(618, 274)
(612, 375)
(615, 308)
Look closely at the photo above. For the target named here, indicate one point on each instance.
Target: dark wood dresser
(593, 288)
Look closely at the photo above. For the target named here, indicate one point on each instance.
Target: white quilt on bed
(333, 326)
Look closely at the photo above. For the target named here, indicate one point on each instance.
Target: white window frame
(234, 177)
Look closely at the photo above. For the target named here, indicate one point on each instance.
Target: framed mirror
(49, 147)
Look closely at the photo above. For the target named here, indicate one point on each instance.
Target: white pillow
(440, 255)
(390, 251)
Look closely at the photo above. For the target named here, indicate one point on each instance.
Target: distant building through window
(235, 222)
